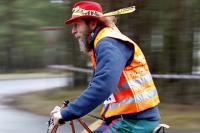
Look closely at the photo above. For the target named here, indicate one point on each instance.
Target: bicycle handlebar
(52, 128)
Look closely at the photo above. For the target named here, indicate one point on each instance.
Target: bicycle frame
(53, 128)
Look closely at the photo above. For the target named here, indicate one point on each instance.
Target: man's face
(81, 31)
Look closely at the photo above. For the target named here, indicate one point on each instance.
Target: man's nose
(74, 30)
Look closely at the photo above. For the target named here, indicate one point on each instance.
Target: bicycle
(52, 128)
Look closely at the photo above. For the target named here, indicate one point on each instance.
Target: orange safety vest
(136, 90)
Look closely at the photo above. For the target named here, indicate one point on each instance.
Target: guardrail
(85, 70)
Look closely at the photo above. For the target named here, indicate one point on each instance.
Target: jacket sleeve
(111, 58)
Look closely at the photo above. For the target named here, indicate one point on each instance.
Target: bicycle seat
(160, 127)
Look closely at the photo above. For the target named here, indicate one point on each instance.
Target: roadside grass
(43, 102)
(179, 117)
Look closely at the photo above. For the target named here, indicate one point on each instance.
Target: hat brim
(75, 18)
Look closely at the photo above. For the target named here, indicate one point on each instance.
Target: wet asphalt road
(17, 121)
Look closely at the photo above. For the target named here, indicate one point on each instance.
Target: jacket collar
(93, 36)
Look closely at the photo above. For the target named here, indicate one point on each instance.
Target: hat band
(82, 12)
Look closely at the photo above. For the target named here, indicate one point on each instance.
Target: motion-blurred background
(33, 36)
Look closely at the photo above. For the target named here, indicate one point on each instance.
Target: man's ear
(93, 24)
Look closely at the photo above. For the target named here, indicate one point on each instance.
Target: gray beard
(82, 45)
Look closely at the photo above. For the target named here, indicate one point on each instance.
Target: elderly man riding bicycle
(121, 79)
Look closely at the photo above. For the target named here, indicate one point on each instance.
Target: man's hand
(55, 113)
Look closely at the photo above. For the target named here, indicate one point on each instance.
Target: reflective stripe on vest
(136, 90)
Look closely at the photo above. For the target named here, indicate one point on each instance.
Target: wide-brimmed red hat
(85, 9)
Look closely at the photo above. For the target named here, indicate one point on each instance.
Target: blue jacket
(109, 52)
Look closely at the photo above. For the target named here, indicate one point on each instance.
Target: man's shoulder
(115, 43)
(111, 41)
(116, 46)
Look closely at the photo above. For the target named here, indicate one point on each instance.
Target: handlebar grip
(61, 121)
(66, 102)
